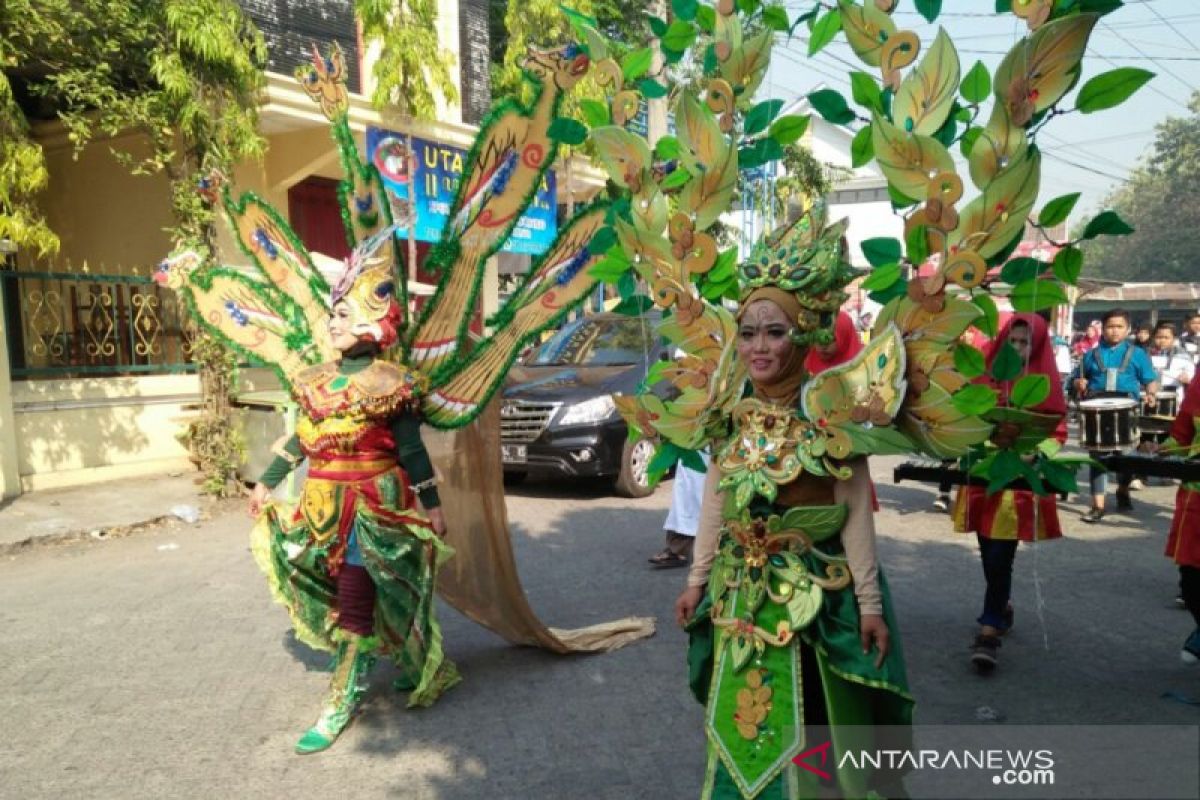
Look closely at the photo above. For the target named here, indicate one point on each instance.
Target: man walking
(1116, 367)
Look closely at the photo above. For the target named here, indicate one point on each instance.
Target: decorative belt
(350, 467)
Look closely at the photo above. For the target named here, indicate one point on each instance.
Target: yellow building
(94, 377)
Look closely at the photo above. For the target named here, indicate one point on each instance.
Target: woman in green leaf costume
(793, 642)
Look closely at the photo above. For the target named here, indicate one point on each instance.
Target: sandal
(668, 560)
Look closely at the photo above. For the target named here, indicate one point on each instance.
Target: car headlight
(597, 409)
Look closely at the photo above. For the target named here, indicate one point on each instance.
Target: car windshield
(598, 343)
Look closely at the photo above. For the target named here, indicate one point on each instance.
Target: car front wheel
(634, 477)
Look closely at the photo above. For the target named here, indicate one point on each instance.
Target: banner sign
(438, 169)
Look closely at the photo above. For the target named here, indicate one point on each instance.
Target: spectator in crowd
(683, 519)
(1144, 336)
(1115, 368)
(1090, 338)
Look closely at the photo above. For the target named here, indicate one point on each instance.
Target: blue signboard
(438, 169)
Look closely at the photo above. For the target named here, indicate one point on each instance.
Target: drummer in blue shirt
(1116, 367)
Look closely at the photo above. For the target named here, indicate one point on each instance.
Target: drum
(1168, 404)
(1156, 427)
(1108, 423)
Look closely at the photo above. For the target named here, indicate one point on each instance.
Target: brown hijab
(785, 389)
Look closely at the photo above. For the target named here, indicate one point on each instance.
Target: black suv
(557, 414)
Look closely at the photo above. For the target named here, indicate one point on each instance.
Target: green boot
(354, 659)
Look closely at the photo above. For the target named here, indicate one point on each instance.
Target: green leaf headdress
(809, 259)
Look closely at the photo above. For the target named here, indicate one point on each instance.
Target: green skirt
(402, 555)
(819, 688)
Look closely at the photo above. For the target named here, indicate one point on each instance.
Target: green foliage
(1007, 364)
(1030, 390)
(761, 115)
(1037, 294)
(412, 64)
(831, 105)
(1107, 223)
(865, 90)
(969, 361)
(787, 130)
(882, 277)
(929, 9)
(1068, 264)
(881, 251)
(1161, 200)
(974, 399)
(824, 30)
(861, 148)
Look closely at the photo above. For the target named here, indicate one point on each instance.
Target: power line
(1175, 30)
(1122, 56)
(1142, 52)
(1085, 168)
(1149, 85)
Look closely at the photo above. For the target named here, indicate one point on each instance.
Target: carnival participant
(1002, 519)
(1183, 541)
(846, 345)
(843, 664)
(1143, 337)
(357, 562)
(1190, 339)
(1173, 363)
(1115, 368)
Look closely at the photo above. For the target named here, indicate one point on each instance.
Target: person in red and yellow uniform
(1003, 519)
(1183, 542)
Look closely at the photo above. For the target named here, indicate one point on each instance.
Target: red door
(316, 216)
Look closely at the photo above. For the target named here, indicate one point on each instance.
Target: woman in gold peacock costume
(357, 561)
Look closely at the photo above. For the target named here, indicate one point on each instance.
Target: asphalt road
(156, 666)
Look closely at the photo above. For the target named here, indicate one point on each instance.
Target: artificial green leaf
(667, 148)
(882, 250)
(788, 129)
(969, 137)
(885, 296)
(1057, 210)
(635, 63)
(679, 35)
(609, 270)
(1060, 477)
(929, 9)
(974, 399)
(865, 90)
(567, 131)
(976, 84)
(706, 18)
(761, 115)
(651, 89)
(1068, 264)
(775, 17)
(1019, 270)
(1003, 6)
(823, 31)
(989, 323)
(1036, 295)
(685, 9)
(830, 104)
(882, 277)
(969, 361)
(1030, 390)
(657, 25)
(602, 240)
(1108, 223)
(1004, 470)
(595, 112)
(861, 150)
(634, 306)
(627, 285)
(1111, 88)
(916, 243)
(677, 178)
(1007, 364)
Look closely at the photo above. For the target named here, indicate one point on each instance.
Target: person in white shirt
(1173, 363)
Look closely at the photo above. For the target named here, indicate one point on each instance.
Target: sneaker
(1093, 515)
(1179, 601)
(1190, 654)
(1124, 502)
(984, 653)
(1137, 484)
(942, 503)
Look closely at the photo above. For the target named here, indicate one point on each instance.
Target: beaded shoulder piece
(380, 390)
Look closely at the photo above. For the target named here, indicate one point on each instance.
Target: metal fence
(67, 324)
